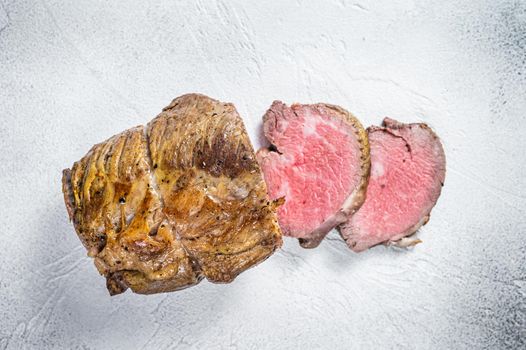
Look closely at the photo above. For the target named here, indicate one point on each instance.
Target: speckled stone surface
(73, 73)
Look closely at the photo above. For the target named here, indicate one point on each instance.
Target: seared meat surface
(163, 206)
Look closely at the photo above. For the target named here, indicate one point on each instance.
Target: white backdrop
(73, 73)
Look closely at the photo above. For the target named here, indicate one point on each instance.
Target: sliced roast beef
(318, 162)
(408, 168)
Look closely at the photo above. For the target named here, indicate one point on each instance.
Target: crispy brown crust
(160, 207)
(68, 193)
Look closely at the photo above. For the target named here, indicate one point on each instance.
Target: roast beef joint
(159, 207)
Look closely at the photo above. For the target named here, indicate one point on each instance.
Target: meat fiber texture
(408, 167)
(318, 162)
(163, 206)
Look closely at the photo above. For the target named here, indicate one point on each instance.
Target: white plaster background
(73, 73)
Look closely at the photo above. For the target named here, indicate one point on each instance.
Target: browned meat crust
(162, 206)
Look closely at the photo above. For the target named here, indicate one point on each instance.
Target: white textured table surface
(73, 73)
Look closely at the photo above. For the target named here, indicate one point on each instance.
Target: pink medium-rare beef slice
(408, 168)
(319, 162)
